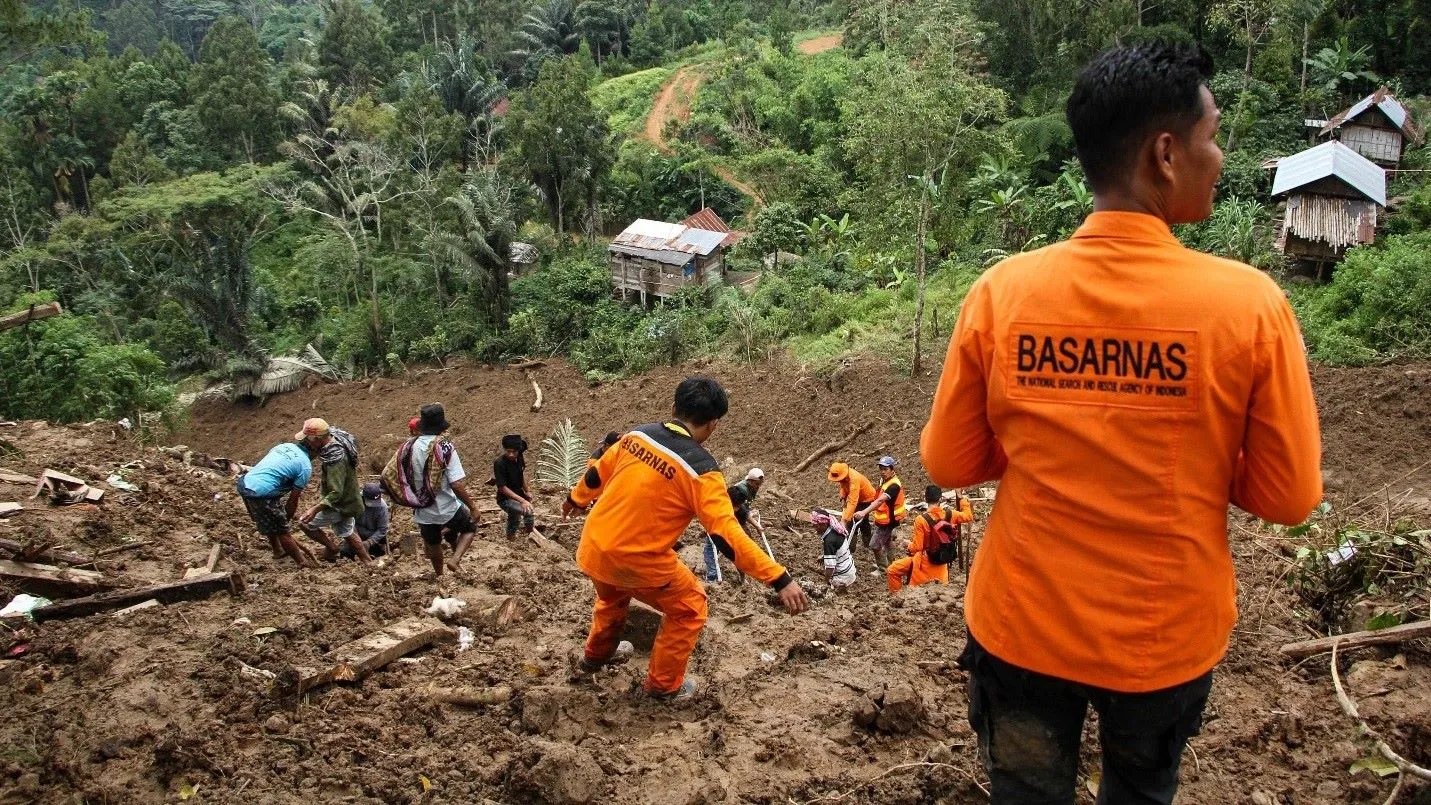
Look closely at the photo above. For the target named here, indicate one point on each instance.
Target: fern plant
(562, 460)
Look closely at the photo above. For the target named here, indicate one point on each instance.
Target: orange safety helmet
(839, 471)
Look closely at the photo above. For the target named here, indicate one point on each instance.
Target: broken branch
(1351, 640)
(1349, 707)
(832, 447)
(30, 553)
(536, 406)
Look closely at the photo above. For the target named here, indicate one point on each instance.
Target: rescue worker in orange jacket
(917, 569)
(887, 511)
(855, 490)
(1122, 367)
(651, 483)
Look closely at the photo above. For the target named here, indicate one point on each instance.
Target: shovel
(755, 516)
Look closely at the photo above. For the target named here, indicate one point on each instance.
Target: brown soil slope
(152, 706)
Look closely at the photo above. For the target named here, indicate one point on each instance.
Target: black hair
(700, 400)
(611, 438)
(1127, 94)
(932, 494)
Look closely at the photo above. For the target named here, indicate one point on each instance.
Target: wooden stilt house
(1378, 127)
(652, 260)
(1334, 196)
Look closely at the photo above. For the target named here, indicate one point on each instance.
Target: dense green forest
(204, 183)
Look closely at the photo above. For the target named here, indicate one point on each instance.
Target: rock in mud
(559, 774)
(897, 708)
(901, 710)
(540, 709)
(276, 724)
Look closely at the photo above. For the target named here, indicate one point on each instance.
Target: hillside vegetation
(203, 185)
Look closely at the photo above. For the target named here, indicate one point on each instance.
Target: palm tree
(548, 29)
(465, 85)
(479, 247)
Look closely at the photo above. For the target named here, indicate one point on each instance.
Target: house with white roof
(1334, 196)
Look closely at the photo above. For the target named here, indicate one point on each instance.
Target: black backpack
(941, 544)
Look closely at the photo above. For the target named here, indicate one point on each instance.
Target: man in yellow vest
(886, 511)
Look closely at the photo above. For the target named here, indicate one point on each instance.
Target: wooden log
(42, 552)
(1351, 640)
(832, 447)
(488, 612)
(472, 697)
(525, 365)
(34, 313)
(166, 593)
(536, 406)
(357, 659)
(29, 574)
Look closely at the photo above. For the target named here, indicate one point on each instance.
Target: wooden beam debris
(1351, 640)
(166, 593)
(33, 313)
(27, 574)
(17, 478)
(42, 551)
(355, 660)
(8, 508)
(208, 566)
(63, 489)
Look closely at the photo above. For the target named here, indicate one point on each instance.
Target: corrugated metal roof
(662, 256)
(708, 220)
(659, 236)
(1387, 103)
(1331, 159)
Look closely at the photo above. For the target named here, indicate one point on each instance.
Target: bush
(1377, 306)
(59, 370)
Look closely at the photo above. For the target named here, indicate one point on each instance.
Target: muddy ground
(152, 706)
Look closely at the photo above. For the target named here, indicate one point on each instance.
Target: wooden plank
(33, 313)
(8, 508)
(1351, 640)
(150, 604)
(355, 660)
(208, 566)
(166, 593)
(30, 553)
(17, 478)
(30, 573)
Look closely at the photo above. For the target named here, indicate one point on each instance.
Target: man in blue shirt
(285, 470)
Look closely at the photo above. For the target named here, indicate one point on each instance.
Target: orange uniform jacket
(863, 493)
(651, 483)
(923, 569)
(1125, 389)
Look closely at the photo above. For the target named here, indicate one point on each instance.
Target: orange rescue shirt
(651, 484)
(1125, 389)
(864, 492)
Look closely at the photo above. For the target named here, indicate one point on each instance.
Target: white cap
(755, 474)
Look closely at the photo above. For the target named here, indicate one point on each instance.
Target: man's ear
(1161, 151)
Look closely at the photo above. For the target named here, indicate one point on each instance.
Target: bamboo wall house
(1333, 198)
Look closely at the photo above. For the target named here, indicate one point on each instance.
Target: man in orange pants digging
(651, 483)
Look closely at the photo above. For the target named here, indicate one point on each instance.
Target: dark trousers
(1030, 726)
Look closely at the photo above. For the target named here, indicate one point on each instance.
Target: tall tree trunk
(1306, 38)
(919, 262)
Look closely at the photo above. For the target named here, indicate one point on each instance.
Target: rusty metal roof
(675, 243)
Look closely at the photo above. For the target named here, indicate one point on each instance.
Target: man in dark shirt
(510, 472)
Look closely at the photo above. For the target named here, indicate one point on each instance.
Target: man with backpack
(934, 546)
(887, 511)
(1120, 367)
(651, 484)
(342, 500)
(426, 474)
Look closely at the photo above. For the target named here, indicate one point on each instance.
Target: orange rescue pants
(917, 572)
(682, 604)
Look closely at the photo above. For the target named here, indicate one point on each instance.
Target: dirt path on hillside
(820, 44)
(163, 704)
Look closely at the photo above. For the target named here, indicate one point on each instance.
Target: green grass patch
(627, 99)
